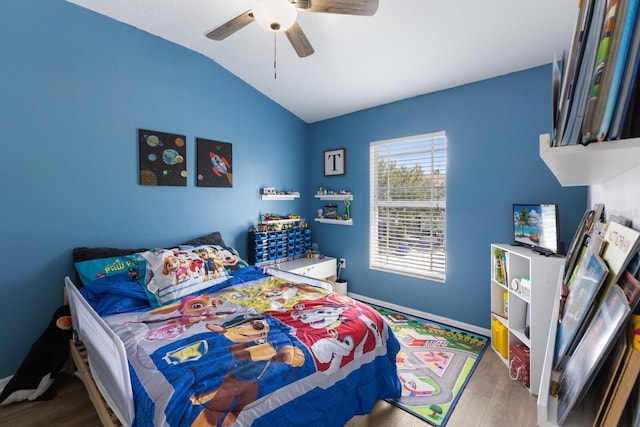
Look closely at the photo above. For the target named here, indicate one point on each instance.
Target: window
(408, 206)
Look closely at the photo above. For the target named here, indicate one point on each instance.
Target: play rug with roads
(434, 364)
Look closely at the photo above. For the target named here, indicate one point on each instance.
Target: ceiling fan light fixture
(275, 15)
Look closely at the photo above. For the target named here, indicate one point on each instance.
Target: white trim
(407, 310)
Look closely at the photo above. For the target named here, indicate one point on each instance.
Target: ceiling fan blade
(299, 40)
(230, 27)
(345, 7)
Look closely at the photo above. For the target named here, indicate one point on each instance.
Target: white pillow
(175, 273)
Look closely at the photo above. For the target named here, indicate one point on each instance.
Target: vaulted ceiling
(407, 48)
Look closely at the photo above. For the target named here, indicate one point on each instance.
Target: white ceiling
(408, 48)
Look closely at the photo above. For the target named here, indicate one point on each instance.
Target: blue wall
(76, 86)
(492, 130)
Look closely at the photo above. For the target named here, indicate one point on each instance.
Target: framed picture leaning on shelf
(580, 305)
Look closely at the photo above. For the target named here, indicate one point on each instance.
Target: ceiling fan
(280, 15)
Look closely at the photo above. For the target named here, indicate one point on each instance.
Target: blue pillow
(94, 269)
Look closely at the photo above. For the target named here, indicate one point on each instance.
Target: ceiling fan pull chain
(275, 53)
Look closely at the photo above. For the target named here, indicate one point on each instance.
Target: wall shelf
(593, 164)
(334, 196)
(346, 198)
(289, 196)
(335, 221)
(281, 221)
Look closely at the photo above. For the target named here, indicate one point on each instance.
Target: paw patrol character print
(210, 263)
(253, 355)
(281, 295)
(176, 267)
(322, 316)
(166, 332)
(192, 309)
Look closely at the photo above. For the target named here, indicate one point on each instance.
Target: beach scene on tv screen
(534, 225)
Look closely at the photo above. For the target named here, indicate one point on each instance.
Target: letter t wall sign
(335, 162)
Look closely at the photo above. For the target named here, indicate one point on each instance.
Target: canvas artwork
(163, 158)
(579, 305)
(215, 163)
(592, 350)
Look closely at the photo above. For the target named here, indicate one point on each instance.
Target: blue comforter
(255, 350)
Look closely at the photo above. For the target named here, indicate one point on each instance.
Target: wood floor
(490, 399)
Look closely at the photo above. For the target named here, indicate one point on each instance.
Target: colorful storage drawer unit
(268, 247)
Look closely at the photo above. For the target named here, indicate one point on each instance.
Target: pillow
(214, 238)
(175, 273)
(94, 269)
(227, 256)
(231, 259)
(84, 253)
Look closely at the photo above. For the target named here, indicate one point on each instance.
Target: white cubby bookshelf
(542, 271)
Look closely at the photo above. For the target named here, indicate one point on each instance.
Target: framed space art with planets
(215, 163)
(163, 158)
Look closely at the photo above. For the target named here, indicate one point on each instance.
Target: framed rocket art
(215, 163)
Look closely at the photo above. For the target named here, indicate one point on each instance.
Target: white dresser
(315, 267)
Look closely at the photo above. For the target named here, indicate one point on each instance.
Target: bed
(254, 346)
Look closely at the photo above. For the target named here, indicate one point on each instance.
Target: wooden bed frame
(81, 362)
(80, 359)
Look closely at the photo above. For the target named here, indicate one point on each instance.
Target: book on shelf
(572, 131)
(556, 80)
(592, 242)
(631, 288)
(610, 66)
(590, 353)
(601, 76)
(590, 215)
(634, 265)
(629, 17)
(621, 244)
(598, 96)
(570, 69)
(627, 88)
(620, 220)
(500, 264)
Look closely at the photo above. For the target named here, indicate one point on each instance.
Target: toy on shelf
(324, 191)
(270, 193)
(330, 213)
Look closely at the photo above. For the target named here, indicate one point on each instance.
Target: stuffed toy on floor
(42, 364)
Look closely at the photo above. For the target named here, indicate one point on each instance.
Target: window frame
(425, 256)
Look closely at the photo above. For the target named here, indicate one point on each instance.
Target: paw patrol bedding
(257, 350)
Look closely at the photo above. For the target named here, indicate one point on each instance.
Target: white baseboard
(472, 328)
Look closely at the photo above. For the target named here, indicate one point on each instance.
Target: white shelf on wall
(334, 196)
(335, 221)
(289, 196)
(593, 164)
(281, 221)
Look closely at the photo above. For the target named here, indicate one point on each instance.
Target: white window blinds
(408, 206)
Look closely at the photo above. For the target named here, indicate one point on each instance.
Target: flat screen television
(537, 226)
